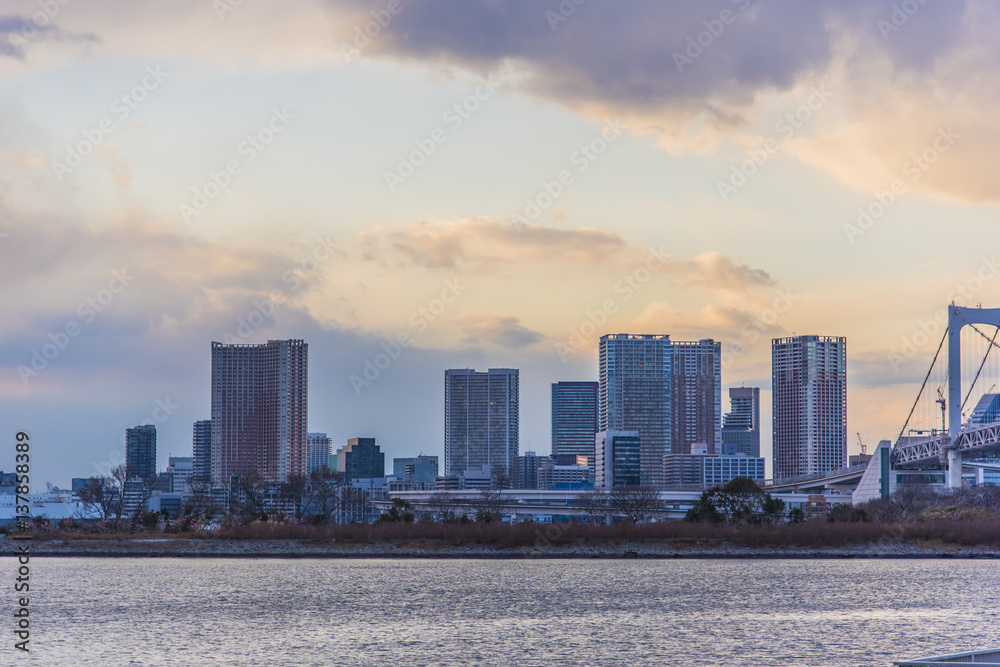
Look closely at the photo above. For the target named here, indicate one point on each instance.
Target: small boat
(988, 658)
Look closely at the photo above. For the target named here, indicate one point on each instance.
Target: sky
(495, 183)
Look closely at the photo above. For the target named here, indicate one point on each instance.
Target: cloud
(717, 271)
(677, 72)
(504, 330)
(483, 243)
(20, 157)
(721, 323)
(16, 32)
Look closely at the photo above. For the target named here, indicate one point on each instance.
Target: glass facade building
(618, 459)
(140, 451)
(201, 449)
(741, 425)
(574, 418)
(361, 458)
(667, 391)
(480, 420)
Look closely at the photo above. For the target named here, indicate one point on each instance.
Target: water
(90, 611)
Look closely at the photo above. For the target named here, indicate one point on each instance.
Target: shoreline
(431, 549)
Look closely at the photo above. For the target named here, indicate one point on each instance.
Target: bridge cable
(988, 350)
(922, 386)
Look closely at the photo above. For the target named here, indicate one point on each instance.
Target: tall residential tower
(140, 451)
(259, 409)
(574, 418)
(809, 404)
(480, 419)
(667, 391)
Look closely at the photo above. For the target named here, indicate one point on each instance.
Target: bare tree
(324, 494)
(199, 507)
(293, 494)
(105, 495)
(488, 505)
(442, 504)
(595, 503)
(635, 503)
(251, 500)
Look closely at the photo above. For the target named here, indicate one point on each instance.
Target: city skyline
(410, 205)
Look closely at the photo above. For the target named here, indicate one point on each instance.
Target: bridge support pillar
(954, 470)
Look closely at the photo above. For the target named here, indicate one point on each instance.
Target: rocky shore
(291, 548)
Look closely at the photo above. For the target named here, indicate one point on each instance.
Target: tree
(907, 503)
(200, 507)
(114, 497)
(635, 503)
(488, 505)
(844, 513)
(400, 512)
(324, 494)
(293, 494)
(595, 503)
(704, 511)
(251, 501)
(442, 504)
(740, 502)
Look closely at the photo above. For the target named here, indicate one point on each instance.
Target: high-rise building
(574, 418)
(140, 451)
(741, 425)
(524, 470)
(696, 395)
(480, 420)
(180, 469)
(809, 404)
(635, 379)
(259, 409)
(619, 456)
(361, 458)
(668, 391)
(201, 449)
(318, 450)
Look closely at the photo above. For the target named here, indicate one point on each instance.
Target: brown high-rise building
(259, 410)
(696, 395)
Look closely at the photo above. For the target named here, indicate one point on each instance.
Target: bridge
(946, 447)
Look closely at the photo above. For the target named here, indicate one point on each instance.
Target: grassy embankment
(815, 534)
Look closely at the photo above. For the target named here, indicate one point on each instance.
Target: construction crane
(864, 450)
(944, 405)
